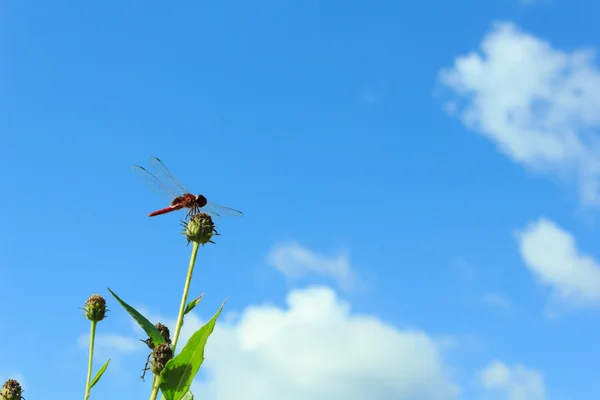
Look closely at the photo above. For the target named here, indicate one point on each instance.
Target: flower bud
(164, 331)
(95, 308)
(160, 356)
(11, 390)
(200, 229)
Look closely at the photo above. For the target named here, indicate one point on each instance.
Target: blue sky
(419, 183)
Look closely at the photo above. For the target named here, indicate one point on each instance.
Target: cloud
(295, 261)
(516, 382)
(316, 348)
(538, 104)
(466, 269)
(551, 254)
(122, 344)
(497, 300)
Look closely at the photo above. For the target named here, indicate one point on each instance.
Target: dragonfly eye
(201, 200)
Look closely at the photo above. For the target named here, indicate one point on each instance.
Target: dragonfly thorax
(200, 201)
(187, 200)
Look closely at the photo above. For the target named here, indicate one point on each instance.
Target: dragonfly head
(201, 200)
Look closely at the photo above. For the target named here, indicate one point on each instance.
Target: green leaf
(150, 329)
(99, 374)
(188, 396)
(177, 377)
(190, 306)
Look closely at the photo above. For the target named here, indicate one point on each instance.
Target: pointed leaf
(188, 396)
(99, 374)
(150, 329)
(190, 306)
(176, 378)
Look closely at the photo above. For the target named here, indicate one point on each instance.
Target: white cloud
(122, 344)
(551, 254)
(538, 104)
(497, 300)
(516, 382)
(317, 349)
(295, 261)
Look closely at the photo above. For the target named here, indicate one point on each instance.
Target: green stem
(91, 357)
(186, 289)
(154, 393)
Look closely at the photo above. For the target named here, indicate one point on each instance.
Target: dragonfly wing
(167, 177)
(154, 183)
(213, 214)
(220, 210)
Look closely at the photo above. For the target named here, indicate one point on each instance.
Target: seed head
(160, 356)
(95, 308)
(200, 229)
(11, 390)
(164, 331)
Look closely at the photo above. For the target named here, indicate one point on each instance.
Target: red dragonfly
(180, 197)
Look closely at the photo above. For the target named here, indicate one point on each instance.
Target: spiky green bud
(200, 229)
(95, 308)
(11, 390)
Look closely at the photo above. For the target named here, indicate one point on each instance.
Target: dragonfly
(179, 196)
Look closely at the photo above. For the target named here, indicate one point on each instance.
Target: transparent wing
(167, 177)
(211, 213)
(154, 183)
(219, 210)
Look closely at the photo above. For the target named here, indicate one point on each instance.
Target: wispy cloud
(515, 382)
(296, 261)
(120, 343)
(466, 269)
(498, 300)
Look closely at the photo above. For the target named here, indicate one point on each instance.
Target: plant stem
(186, 289)
(91, 357)
(155, 387)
